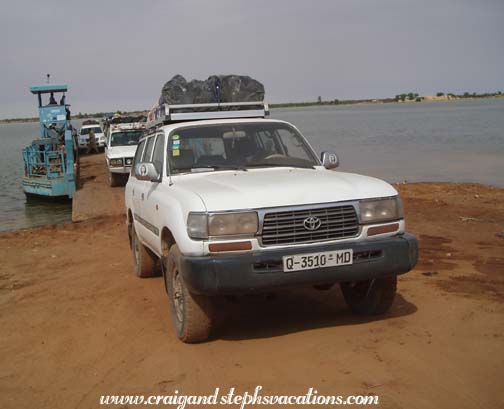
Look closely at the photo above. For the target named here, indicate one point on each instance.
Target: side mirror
(147, 171)
(329, 160)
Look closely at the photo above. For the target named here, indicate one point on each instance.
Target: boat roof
(46, 88)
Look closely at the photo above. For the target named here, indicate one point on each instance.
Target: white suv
(83, 138)
(240, 205)
(121, 146)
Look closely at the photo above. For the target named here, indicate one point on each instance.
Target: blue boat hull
(51, 188)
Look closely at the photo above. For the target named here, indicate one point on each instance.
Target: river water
(456, 141)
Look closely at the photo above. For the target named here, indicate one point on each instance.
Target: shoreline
(286, 105)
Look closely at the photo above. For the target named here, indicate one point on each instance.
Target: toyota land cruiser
(243, 204)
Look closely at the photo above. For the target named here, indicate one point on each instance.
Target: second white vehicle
(122, 141)
(83, 137)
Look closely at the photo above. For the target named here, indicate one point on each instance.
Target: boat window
(148, 149)
(158, 156)
(125, 138)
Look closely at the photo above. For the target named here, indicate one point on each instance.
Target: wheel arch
(167, 240)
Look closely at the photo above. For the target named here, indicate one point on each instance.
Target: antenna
(48, 78)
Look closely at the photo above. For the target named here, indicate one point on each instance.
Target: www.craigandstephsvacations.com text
(255, 398)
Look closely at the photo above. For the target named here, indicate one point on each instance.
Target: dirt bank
(95, 198)
(75, 323)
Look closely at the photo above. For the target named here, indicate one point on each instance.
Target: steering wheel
(275, 156)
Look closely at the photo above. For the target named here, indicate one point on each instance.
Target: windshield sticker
(176, 152)
(175, 137)
(176, 144)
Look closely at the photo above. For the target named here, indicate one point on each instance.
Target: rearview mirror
(147, 171)
(329, 160)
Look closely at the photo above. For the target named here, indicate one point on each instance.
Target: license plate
(317, 260)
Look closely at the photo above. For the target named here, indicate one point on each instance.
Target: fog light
(387, 228)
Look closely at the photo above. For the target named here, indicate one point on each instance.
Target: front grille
(288, 227)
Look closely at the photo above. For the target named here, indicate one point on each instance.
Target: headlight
(222, 224)
(116, 162)
(380, 210)
(129, 161)
(197, 225)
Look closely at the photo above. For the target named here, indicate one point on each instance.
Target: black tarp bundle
(217, 88)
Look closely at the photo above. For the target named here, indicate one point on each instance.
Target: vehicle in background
(86, 128)
(122, 139)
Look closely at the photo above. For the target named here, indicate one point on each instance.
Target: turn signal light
(235, 246)
(387, 228)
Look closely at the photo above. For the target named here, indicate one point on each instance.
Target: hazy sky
(117, 54)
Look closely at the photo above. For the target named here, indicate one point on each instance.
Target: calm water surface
(460, 141)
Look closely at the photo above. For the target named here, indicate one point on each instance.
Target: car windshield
(125, 138)
(95, 129)
(238, 146)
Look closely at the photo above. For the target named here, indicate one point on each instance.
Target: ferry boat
(50, 164)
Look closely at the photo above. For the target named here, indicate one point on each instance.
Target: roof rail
(165, 113)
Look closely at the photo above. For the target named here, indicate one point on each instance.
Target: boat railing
(41, 163)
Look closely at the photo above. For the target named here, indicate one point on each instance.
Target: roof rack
(127, 119)
(164, 114)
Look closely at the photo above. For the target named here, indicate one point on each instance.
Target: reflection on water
(458, 141)
(37, 211)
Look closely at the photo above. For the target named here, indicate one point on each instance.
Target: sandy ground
(75, 323)
(95, 198)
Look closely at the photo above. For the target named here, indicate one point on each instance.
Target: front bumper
(120, 169)
(262, 270)
(99, 144)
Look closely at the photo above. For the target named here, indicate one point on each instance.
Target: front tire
(370, 297)
(191, 313)
(143, 260)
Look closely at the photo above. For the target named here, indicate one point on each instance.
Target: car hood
(273, 187)
(121, 151)
(97, 135)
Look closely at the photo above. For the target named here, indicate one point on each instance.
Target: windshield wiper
(277, 165)
(214, 167)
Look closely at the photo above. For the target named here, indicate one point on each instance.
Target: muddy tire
(192, 314)
(115, 179)
(370, 297)
(143, 260)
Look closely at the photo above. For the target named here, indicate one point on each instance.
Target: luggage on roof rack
(127, 119)
(215, 89)
(90, 122)
(165, 113)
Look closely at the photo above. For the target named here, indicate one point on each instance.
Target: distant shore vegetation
(399, 98)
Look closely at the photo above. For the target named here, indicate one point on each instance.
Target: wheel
(191, 313)
(370, 297)
(115, 179)
(144, 261)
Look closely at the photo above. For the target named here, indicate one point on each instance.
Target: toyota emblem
(312, 223)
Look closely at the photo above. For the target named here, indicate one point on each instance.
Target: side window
(148, 149)
(138, 155)
(292, 145)
(158, 157)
